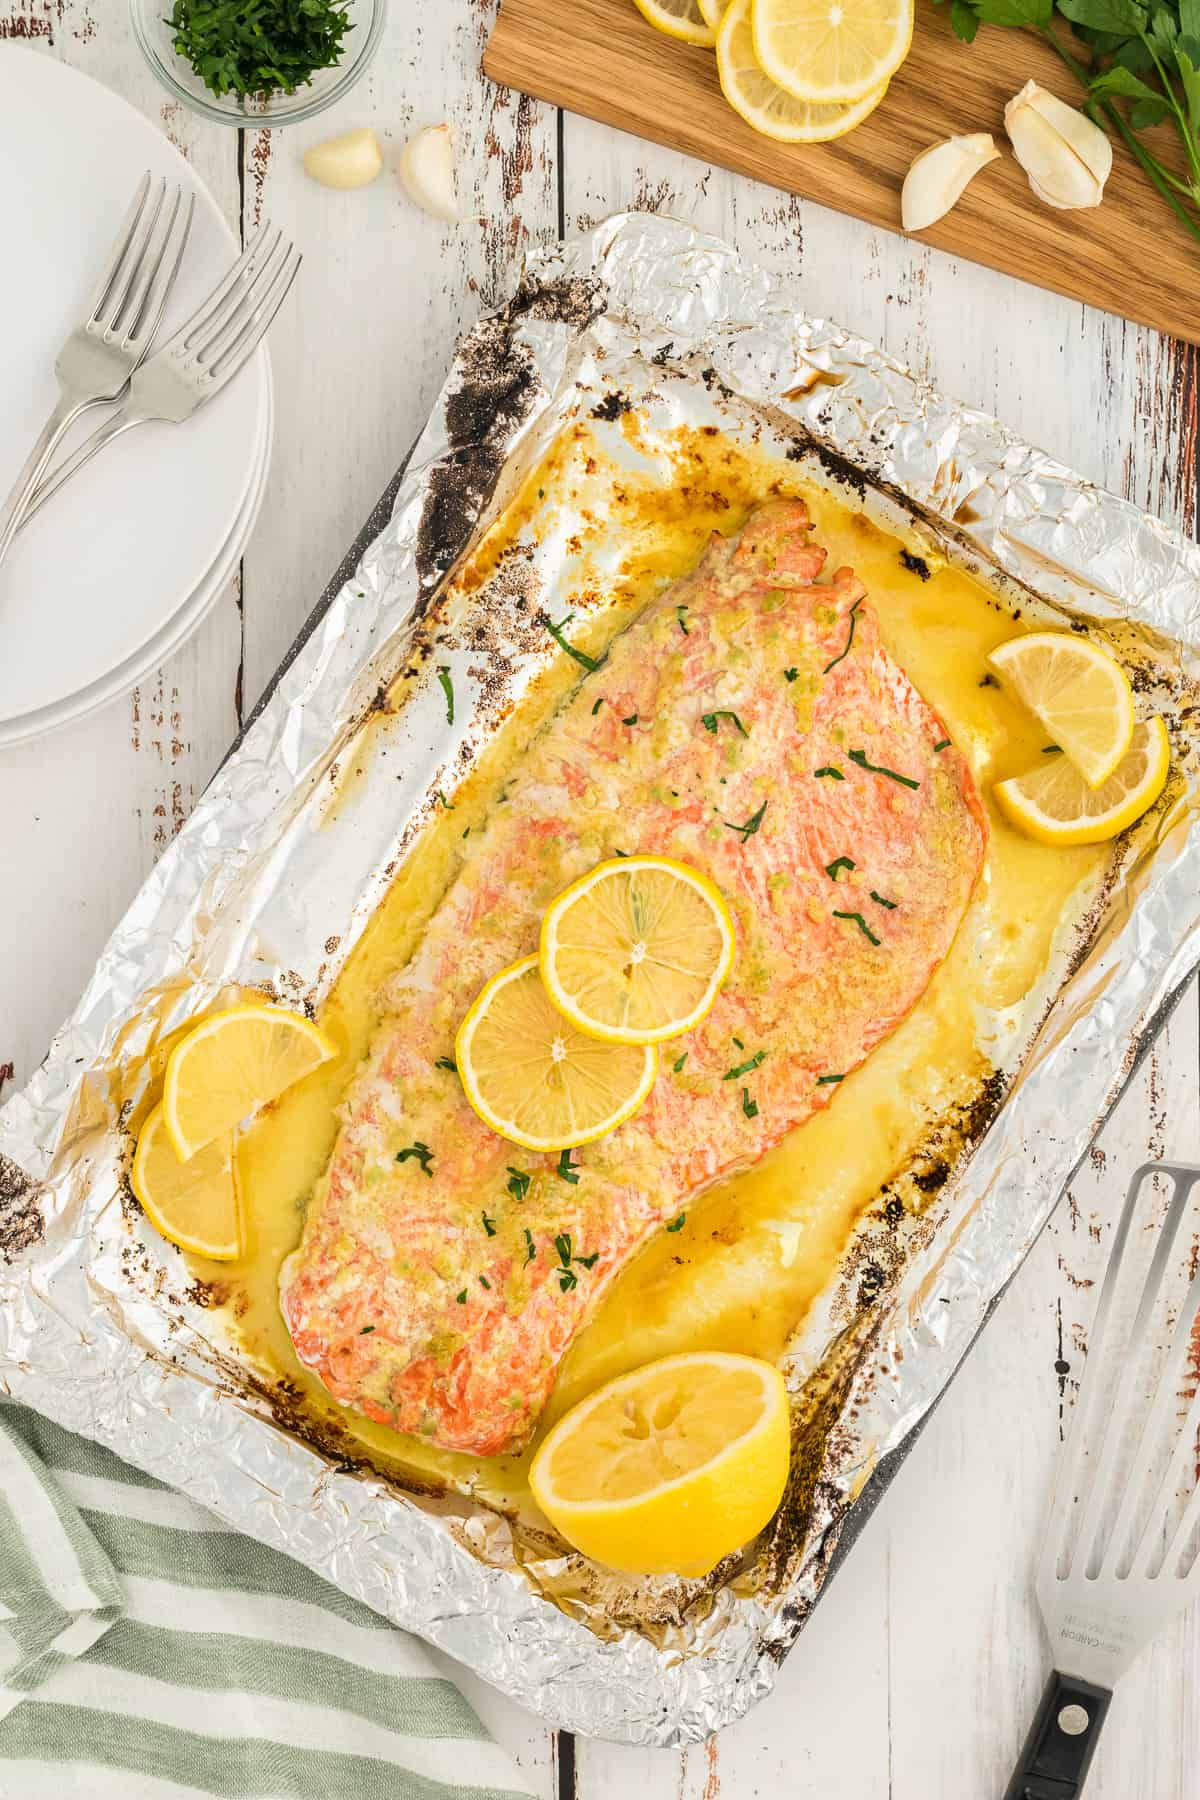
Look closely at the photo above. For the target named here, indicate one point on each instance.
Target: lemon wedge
(230, 1065)
(194, 1204)
(637, 950)
(831, 51)
(1055, 805)
(1077, 691)
(767, 107)
(667, 1470)
(683, 19)
(536, 1079)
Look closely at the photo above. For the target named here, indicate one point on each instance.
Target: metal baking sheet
(101, 1325)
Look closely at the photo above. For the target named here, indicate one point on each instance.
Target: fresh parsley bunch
(258, 47)
(1144, 54)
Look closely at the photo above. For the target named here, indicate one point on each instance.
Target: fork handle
(1058, 1751)
(91, 446)
(13, 510)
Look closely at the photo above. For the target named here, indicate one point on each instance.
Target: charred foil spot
(21, 1220)
(916, 565)
(612, 407)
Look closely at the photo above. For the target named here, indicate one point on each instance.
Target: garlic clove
(350, 161)
(939, 175)
(1066, 157)
(427, 171)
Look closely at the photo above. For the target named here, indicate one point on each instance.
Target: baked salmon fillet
(751, 723)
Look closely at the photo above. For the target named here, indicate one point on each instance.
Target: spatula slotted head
(1122, 1552)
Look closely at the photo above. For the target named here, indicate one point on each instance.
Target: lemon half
(1077, 691)
(194, 1204)
(669, 1469)
(1055, 805)
(712, 11)
(766, 106)
(534, 1077)
(681, 19)
(831, 50)
(233, 1063)
(636, 951)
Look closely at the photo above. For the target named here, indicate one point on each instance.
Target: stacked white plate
(118, 569)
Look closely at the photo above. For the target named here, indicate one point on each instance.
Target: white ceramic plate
(173, 635)
(100, 575)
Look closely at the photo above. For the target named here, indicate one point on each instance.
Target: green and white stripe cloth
(147, 1653)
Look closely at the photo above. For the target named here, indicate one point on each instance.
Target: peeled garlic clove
(1066, 157)
(939, 175)
(351, 161)
(427, 171)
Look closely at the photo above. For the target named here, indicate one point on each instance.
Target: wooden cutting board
(1130, 256)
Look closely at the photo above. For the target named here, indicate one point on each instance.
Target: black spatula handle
(1058, 1750)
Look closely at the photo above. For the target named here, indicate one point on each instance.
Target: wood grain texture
(916, 1676)
(1130, 256)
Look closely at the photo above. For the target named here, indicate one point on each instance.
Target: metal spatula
(1120, 1557)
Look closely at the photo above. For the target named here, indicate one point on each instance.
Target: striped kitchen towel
(147, 1653)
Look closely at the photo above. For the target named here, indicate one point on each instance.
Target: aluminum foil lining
(267, 884)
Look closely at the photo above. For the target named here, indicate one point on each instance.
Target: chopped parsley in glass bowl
(258, 62)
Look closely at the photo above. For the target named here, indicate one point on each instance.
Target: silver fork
(203, 355)
(97, 360)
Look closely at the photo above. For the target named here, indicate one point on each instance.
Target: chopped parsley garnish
(461, 1296)
(484, 1282)
(590, 663)
(681, 621)
(631, 720)
(517, 1183)
(839, 863)
(828, 1080)
(749, 1106)
(442, 801)
(365, 1330)
(261, 49)
(448, 690)
(423, 1154)
(588, 1262)
(1051, 749)
(567, 1279)
(860, 757)
(447, 1062)
(711, 720)
(849, 639)
(857, 919)
(566, 1169)
(562, 1243)
(944, 745)
(880, 901)
(744, 1068)
(677, 1065)
(829, 769)
(677, 1223)
(989, 681)
(598, 705)
(739, 1043)
(489, 1225)
(752, 823)
(530, 1247)
(790, 674)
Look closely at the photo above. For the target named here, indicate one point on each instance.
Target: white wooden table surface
(917, 1676)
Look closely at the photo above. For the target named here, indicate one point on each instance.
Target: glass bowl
(155, 38)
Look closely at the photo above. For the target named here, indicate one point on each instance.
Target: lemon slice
(831, 50)
(1055, 805)
(637, 950)
(770, 109)
(713, 11)
(536, 1079)
(667, 1470)
(230, 1065)
(1077, 691)
(194, 1204)
(683, 19)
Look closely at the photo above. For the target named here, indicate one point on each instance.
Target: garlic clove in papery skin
(1066, 157)
(938, 176)
(427, 171)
